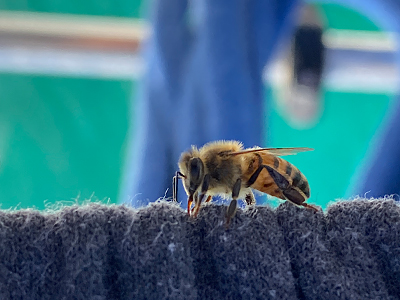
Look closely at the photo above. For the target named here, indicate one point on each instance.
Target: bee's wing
(274, 151)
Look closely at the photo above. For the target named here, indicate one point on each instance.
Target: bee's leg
(230, 213)
(204, 189)
(196, 208)
(195, 199)
(312, 206)
(207, 200)
(280, 180)
(189, 205)
(250, 200)
(289, 191)
(255, 175)
(294, 196)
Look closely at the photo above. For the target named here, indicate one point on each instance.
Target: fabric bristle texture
(95, 251)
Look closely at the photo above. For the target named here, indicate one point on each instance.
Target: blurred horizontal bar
(360, 40)
(77, 30)
(375, 41)
(71, 63)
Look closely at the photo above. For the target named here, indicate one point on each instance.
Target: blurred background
(70, 73)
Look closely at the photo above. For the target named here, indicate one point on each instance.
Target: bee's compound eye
(195, 168)
(196, 173)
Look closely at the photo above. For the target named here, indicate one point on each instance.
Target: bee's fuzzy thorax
(222, 146)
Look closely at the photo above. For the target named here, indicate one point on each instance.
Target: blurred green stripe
(61, 138)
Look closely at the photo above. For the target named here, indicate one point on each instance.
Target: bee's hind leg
(288, 191)
(230, 213)
(312, 206)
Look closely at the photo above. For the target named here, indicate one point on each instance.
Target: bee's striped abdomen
(289, 169)
(278, 177)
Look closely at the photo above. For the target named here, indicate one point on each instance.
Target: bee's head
(192, 167)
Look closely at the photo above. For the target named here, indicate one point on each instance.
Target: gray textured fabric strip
(352, 251)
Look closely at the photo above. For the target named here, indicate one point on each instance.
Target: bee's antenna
(175, 185)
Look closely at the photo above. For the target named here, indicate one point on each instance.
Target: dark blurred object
(308, 56)
(308, 52)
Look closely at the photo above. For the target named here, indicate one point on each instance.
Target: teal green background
(339, 17)
(61, 138)
(110, 8)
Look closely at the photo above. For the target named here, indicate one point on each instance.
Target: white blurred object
(375, 41)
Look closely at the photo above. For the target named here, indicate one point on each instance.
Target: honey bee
(225, 168)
